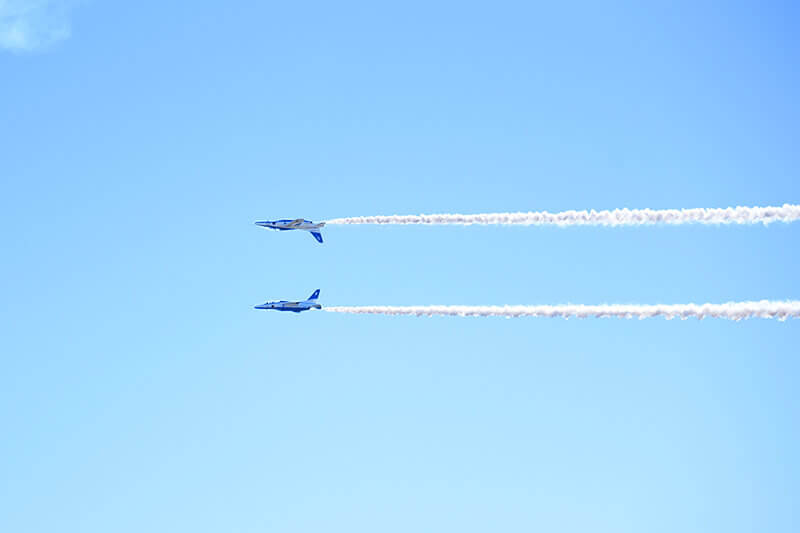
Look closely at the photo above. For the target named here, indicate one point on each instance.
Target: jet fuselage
(294, 307)
(286, 224)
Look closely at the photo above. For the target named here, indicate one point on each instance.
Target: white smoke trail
(617, 217)
(730, 310)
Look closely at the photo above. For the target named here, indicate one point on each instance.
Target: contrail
(617, 217)
(731, 310)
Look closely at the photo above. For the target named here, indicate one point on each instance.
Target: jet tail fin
(315, 295)
(317, 235)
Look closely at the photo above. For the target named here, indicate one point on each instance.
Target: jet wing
(295, 223)
(317, 235)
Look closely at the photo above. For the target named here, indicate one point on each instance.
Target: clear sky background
(140, 391)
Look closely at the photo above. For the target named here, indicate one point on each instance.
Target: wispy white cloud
(27, 25)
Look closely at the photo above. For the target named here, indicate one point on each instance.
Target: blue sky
(140, 391)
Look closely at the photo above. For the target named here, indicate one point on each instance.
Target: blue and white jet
(298, 223)
(294, 307)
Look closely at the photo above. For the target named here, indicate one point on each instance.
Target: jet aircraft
(298, 223)
(294, 307)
